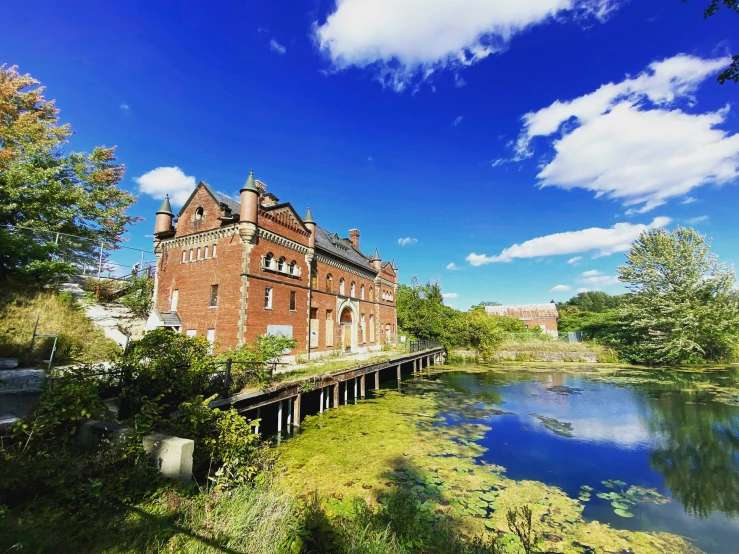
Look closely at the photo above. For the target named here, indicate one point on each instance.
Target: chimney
(354, 237)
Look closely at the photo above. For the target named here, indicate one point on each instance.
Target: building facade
(231, 270)
(543, 316)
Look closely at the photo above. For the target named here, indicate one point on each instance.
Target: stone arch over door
(348, 325)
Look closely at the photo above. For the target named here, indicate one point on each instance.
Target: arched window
(281, 264)
(361, 292)
(268, 260)
(372, 292)
(341, 286)
(353, 290)
(199, 214)
(291, 269)
(329, 283)
(314, 278)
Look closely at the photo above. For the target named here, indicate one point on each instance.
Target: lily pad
(495, 506)
(620, 505)
(623, 513)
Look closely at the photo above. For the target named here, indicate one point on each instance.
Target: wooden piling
(361, 386)
(336, 395)
(296, 412)
(398, 372)
(377, 380)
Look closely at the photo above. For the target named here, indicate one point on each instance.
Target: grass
(549, 346)
(79, 339)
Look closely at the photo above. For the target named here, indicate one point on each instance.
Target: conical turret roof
(376, 257)
(165, 208)
(308, 216)
(250, 184)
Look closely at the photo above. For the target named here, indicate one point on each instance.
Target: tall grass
(79, 339)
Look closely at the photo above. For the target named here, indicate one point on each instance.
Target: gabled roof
(341, 248)
(524, 311)
(230, 203)
(289, 207)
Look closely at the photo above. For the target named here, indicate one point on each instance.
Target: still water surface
(676, 432)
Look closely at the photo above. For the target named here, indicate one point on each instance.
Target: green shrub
(139, 299)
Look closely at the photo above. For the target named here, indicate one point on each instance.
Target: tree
(681, 308)
(731, 73)
(43, 188)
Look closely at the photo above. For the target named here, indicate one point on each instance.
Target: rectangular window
(191, 332)
(292, 301)
(372, 328)
(214, 250)
(268, 298)
(211, 336)
(329, 327)
(213, 296)
(206, 253)
(364, 329)
(198, 256)
(191, 253)
(173, 303)
(184, 256)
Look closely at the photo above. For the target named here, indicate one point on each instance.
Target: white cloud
(407, 41)
(573, 261)
(458, 81)
(406, 241)
(560, 288)
(595, 279)
(499, 161)
(452, 267)
(124, 107)
(696, 220)
(582, 289)
(689, 200)
(627, 141)
(450, 295)
(604, 241)
(167, 180)
(277, 47)
(457, 120)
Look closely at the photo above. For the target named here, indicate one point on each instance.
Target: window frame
(268, 298)
(213, 302)
(293, 301)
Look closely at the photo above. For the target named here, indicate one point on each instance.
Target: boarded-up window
(364, 329)
(214, 250)
(314, 328)
(292, 301)
(268, 298)
(173, 303)
(213, 296)
(329, 327)
(372, 328)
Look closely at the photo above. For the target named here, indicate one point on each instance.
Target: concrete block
(19, 402)
(172, 455)
(93, 433)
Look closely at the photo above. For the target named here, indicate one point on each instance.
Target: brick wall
(550, 323)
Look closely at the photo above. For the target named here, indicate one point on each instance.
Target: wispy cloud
(458, 81)
(603, 241)
(124, 107)
(452, 267)
(277, 47)
(573, 261)
(499, 161)
(450, 295)
(696, 220)
(689, 200)
(591, 273)
(407, 241)
(595, 279)
(582, 289)
(457, 120)
(560, 288)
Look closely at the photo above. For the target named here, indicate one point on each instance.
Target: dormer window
(199, 214)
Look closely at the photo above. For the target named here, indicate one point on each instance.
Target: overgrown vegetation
(423, 315)
(79, 339)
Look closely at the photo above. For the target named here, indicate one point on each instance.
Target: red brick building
(543, 316)
(231, 270)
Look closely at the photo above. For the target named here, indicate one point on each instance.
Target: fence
(89, 256)
(419, 345)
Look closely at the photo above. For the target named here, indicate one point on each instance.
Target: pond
(609, 459)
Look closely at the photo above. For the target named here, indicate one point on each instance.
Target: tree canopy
(45, 188)
(731, 73)
(681, 307)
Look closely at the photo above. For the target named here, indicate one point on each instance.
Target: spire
(377, 256)
(392, 264)
(165, 208)
(308, 216)
(250, 184)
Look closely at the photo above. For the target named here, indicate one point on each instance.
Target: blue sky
(486, 133)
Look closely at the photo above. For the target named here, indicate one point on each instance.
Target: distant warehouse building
(543, 316)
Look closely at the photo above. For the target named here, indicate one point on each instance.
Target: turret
(164, 217)
(376, 261)
(311, 225)
(249, 206)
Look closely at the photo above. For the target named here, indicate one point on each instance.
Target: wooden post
(289, 412)
(398, 372)
(377, 380)
(355, 387)
(361, 386)
(336, 395)
(296, 412)
(256, 428)
(320, 409)
(279, 417)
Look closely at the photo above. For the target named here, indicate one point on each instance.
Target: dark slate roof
(341, 248)
(525, 311)
(232, 204)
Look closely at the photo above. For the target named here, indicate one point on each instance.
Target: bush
(139, 299)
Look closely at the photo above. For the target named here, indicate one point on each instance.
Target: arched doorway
(346, 321)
